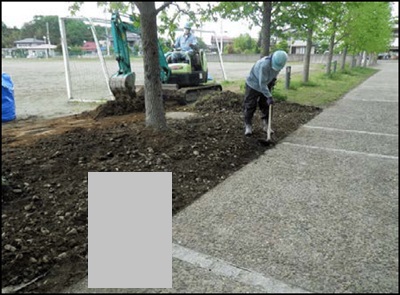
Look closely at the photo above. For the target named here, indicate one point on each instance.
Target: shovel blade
(266, 142)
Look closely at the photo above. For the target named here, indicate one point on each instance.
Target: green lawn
(320, 90)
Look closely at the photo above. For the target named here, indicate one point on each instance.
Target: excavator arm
(121, 49)
(122, 83)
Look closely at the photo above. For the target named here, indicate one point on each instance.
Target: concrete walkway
(317, 213)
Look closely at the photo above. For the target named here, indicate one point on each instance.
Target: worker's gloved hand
(270, 100)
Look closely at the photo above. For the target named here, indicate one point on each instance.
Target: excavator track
(187, 95)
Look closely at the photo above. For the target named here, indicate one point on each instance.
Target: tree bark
(353, 61)
(344, 55)
(330, 55)
(364, 59)
(307, 57)
(359, 60)
(155, 113)
(266, 29)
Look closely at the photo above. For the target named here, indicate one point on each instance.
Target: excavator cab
(190, 70)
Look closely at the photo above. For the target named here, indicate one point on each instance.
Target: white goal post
(87, 76)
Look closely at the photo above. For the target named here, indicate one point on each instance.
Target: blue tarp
(7, 98)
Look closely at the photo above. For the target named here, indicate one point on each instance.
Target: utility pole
(107, 41)
(48, 38)
(45, 44)
(222, 41)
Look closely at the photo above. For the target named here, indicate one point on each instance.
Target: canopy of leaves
(9, 36)
(369, 27)
(244, 44)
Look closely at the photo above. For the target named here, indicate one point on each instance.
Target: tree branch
(165, 5)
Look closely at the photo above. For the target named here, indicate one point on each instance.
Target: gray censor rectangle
(130, 230)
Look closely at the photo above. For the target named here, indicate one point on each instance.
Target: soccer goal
(86, 70)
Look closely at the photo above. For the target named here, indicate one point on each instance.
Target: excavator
(179, 80)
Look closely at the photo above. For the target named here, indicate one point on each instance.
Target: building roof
(89, 45)
(300, 43)
(38, 47)
(29, 41)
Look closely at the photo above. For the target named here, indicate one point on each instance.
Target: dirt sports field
(46, 162)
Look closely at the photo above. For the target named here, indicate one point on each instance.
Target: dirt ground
(46, 162)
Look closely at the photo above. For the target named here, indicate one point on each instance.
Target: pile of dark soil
(46, 165)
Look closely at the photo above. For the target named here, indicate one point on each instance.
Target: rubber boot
(248, 130)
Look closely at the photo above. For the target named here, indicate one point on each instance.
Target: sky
(17, 13)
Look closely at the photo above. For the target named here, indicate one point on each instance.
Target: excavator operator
(185, 43)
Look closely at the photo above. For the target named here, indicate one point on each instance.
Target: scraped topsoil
(45, 165)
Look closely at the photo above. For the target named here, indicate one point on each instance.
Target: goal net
(88, 64)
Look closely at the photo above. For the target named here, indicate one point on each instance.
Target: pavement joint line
(373, 100)
(350, 130)
(226, 269)
(342, 151)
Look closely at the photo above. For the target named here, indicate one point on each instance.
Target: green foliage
(243, 86)
(75, 50)
(301, 16)
(309, 84)
(279, 95)
(37, 28)
(166, 45)
(8, 36)
(281, 45)
(78, 32)
(322, 47)
(229, 49)
(244, 44)
(368, 27)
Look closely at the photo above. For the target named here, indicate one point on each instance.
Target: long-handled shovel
(268, 141)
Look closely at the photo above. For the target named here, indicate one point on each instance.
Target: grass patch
(233, 85)
(323, 89)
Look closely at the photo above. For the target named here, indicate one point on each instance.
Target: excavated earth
(45, 165)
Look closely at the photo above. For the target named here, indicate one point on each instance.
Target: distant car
(383, 56)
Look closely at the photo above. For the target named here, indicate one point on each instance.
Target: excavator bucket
(123, 86)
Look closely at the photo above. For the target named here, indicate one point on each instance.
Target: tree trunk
(155, 113)
(353, 61)
(330, 55)
(307, 57)
(342, 67)
(374, 59)
(359, 60)
(266, 29)
(364, 59)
